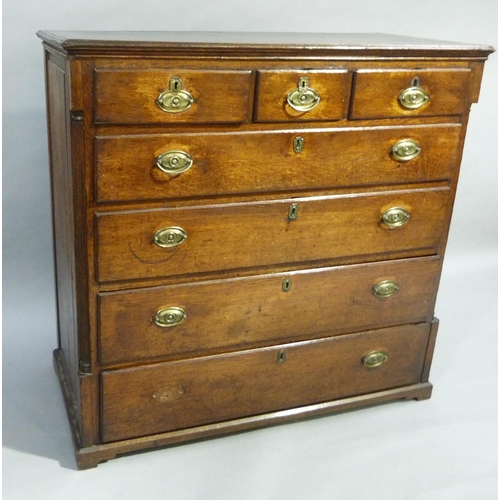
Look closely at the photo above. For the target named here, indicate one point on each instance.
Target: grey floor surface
(440, 449)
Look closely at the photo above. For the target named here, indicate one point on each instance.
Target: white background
(444, 448)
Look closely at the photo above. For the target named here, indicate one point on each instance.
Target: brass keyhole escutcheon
(286, 284)
(293, 211)
(298, 144)
(281, 356)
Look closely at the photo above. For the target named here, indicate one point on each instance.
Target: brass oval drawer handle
(374, 359)
(406, 150)
(395, 217)
(169, 316)
(303, 98)
(174, 162)
(413, 97)
(175, 100)
(169, 237)
(385, 288)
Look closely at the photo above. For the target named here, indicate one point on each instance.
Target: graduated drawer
(301, 94)
(147, 167)
(240, 313)
(380, 93)
(132, 96)
(242, 235)
(182, 394)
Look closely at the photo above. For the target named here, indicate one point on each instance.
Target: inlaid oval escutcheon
(413, 97)
(167, 394)
(169, 237)
(175, 100)
(395, 217)
(385, 288)
(406, 150)
(174, 162)
(303, 98)
(373, 359)
(169, 316)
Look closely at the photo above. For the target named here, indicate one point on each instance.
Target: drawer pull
(175, 100)
(385, 288)
(169, 237)
(374, 359)
(174, 162)
(413, 97)
(169, 316)
(303, 98)
(395, 217)
(406, 150)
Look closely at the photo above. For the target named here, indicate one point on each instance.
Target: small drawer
(173, 96)
(187, 240)
(388, 93)
(152, 167)
(182, 394)
(225, 315)
(301, 95)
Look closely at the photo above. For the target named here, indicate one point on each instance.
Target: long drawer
(240, 313)
(179, 241)
(181, 394)
(146, 167)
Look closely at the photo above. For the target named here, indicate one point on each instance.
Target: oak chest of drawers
(249, 228)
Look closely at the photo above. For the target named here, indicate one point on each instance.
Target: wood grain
(376, 92)
(240, 235)
(264, 161)
(332, 86)
(242, 313)
(252, 382)
(130, 96)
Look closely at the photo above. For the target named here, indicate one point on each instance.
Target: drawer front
(441, 92)
(301, 95)
(125, 96)
(244, 235)
(241, 313)
(182, 394)
(184, 165)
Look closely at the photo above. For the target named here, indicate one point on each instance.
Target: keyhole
(282, 356)
(286, 284)
(415, 81)
(176, 85)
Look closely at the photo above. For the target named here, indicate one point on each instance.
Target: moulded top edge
(90, 42)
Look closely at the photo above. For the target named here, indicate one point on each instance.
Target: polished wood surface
(216, 388)
(248, 353)
(258, 234)
(331, 85)
(376, 92)
(266, 161)
(298, 45)
(130, 96)
(242, 313)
